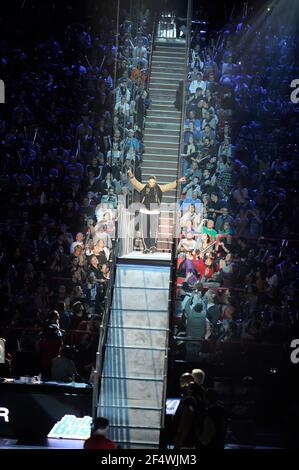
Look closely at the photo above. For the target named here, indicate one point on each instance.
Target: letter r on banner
(4, 413)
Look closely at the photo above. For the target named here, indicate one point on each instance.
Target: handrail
(116, 48)
(39, 329)
(151, 51)
(181, 142)
(187, 47)
(179, 171)
(100, 355)
(218, 341)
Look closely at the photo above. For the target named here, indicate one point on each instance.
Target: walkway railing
(103, 333)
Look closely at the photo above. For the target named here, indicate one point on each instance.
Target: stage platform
(139, 256)
(42, 444)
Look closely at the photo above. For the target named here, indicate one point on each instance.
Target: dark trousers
(149, 230)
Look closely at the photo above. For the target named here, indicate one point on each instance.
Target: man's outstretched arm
(170, 186)
(137, 185)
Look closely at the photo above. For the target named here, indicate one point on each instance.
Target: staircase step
(166, 234)
(161, 134)
(169, 107)
(169, 42)
(164, 131)
(166, 144)
(152, 128)
(157, 84)
(159, 161)
(157, 119)
(170, 201)
(164, 170)
(132, 338)
(163, 139)
(165, 58)
(137, 414)
(154, 149)
(170, 52)
(160, 158)
(171, 114)
(171, 84)
(158, 67)
(135, 318)
(173, 130)
(158, 116)
(163, 92)
(138, 439)
(157, 89)
(162, 101)
(165, 76)
(171, 118)
(159, 165)
(169, 47)
(153, 125)
(173, 66)
(173, 75)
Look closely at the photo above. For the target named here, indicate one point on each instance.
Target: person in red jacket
(98, 439)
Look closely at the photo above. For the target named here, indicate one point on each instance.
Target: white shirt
(118, 96)
(124, 108)
(197, 84)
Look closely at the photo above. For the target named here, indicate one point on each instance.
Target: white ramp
(133, 378)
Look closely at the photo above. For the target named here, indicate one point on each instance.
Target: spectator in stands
(63, 368)
(98, 439)
(215, 422)
(189, 415)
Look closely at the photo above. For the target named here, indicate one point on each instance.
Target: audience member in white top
(198, 83)
(79, 241)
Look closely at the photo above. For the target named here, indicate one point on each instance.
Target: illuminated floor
(158, 256)
(78, 444)
(44, 444)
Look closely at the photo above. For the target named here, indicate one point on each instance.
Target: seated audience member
(63, 368)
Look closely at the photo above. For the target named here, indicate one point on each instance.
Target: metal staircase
(162, 126)
(133, 379)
